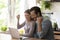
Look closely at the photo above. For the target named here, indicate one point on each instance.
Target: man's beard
(33, 19)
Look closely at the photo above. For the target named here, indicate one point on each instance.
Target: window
(4, 14)
(21, 6)
(9, 9)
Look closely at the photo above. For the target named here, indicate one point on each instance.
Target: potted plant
(55, 26)
(46, 5)
(3, 28)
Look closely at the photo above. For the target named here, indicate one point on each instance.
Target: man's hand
(39, 20)
(18, 17)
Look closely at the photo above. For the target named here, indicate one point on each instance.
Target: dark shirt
(47, 31)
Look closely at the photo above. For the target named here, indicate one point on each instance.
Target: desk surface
(8, 37)
(30, 39)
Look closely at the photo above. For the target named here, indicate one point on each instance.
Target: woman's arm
(18, 25)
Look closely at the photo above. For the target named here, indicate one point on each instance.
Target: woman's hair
(27, 11)
(37, 10)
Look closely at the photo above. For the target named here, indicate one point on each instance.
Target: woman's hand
(18, 17)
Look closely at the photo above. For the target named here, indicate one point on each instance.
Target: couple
(35, 25)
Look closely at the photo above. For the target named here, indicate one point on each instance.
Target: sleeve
(30, 33)
(45, 27)
(20, 25)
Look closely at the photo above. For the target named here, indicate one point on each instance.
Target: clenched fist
(18, 17)
(39, 20)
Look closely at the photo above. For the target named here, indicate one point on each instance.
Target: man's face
(33, 15)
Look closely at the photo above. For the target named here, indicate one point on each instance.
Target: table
(8, 37)
(57, 35)
(30, 39)
(57, 32)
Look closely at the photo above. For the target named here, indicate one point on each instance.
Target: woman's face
(33, 15)
(27, 16)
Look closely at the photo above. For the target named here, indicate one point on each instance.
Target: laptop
(15, 34)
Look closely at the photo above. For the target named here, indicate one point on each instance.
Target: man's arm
(45, 26)
(39, 23)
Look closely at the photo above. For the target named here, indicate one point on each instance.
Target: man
(44, 26)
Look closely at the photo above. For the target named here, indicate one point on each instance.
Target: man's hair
(37, 10)
(27, 11)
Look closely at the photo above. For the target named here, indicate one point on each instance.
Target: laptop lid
(14, 33)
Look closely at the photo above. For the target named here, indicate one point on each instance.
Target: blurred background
(9, 9)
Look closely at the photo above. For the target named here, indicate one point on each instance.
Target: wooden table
(57, 32)
(57, 35)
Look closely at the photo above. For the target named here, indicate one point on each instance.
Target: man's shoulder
(46, 20)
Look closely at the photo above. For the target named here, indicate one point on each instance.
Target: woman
(28, 24)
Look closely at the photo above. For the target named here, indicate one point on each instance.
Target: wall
(56, 12)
